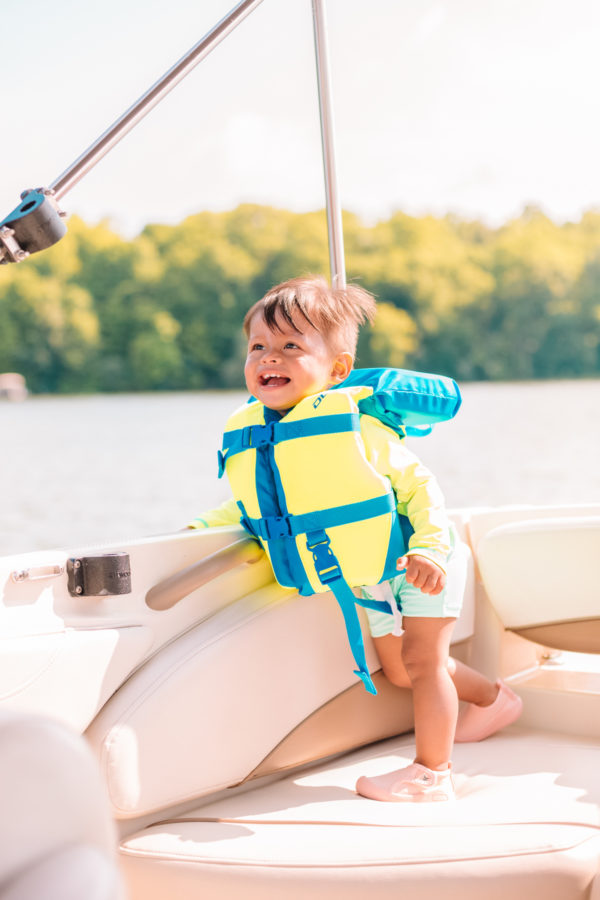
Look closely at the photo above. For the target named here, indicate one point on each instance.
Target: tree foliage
(164, 310)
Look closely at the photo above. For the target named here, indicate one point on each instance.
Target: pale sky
(476, 107)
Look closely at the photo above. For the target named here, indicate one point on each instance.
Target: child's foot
(413, 784)
(478, 722)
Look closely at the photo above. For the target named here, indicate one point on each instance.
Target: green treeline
(163, 311)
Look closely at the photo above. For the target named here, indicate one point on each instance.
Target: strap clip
(276, 527)
(326, 564)
(259, 435)
(366, 679)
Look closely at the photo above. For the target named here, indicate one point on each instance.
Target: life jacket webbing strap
(330, 573)
(347, 602)
(269, 528)
(254, 436)
(378, 605)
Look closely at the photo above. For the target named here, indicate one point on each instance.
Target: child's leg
(471, 686)
(425, 646)
(425, 649)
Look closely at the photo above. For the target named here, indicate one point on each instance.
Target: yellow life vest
(308, 493)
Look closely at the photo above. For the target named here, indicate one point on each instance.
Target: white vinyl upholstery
(257, 668)
(56, 836)
(481, 520)
(526, 824)
(48, 636)
(542, 570)
(41, 673)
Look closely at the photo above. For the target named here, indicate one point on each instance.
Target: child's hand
(423, 574)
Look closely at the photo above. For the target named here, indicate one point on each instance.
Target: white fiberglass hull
(241, 681)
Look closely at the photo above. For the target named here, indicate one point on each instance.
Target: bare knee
(396, 674)
(420, 664)
(389, 651)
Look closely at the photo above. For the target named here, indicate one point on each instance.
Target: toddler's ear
(342, 366)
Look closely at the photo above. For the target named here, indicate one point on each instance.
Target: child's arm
(419, 498)
(228, 513)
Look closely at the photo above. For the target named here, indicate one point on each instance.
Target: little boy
(302, 340)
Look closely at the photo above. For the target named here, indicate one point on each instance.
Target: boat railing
(171, 590)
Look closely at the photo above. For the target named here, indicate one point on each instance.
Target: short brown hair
(336, 313)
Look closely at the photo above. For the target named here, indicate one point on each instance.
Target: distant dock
(12, 386)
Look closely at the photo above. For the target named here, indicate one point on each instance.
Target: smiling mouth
(270, 380)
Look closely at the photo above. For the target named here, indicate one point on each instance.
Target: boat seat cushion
(525, 823)
(56, 834)
(541, 578)
(291, 656)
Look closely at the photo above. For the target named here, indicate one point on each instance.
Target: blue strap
(328, 569)
(329, 572)
(255, 436)
(270, 528)
(347, 603)
(326, 564)
(378, 605)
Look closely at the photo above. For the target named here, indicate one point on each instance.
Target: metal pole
(334, 212)
(147, 101)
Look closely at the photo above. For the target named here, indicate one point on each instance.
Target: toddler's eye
(291, 346)
(257, 347)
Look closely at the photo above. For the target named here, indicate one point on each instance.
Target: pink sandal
(478, 722)
(414, 783)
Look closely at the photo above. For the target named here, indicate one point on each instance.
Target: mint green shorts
(411, 601)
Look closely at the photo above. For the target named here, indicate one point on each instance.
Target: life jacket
(306, 490)
(410, 403)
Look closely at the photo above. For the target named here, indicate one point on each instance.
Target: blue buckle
(276, 527)
(326, 564)
(261, 435)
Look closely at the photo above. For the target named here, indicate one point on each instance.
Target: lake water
(85, 470)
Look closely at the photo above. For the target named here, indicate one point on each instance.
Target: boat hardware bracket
(105, 575)
(36, 224)
(36, 573)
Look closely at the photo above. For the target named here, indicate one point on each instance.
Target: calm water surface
(81, 470)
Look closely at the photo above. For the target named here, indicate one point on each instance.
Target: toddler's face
(283, 367)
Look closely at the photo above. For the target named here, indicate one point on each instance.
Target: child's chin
(278, 403)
